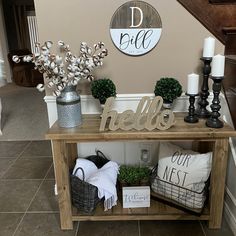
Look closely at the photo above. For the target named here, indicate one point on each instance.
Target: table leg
(217, 184)
(71, 154)
(60, 161)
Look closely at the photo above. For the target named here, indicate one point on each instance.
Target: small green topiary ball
(168, 88)
(103, 89)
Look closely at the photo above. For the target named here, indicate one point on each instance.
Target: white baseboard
(229, 210)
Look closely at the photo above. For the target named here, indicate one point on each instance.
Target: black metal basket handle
(101, 154)
(79, 168)
(154, 172)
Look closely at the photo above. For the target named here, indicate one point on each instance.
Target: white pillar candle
(209, 47)
(218, 66)
(193, 81)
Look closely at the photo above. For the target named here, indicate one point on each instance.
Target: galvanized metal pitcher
(69, 108)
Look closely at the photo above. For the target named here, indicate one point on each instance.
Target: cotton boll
(64, 79)
(27, 58)
(77, 78)
(89, 50)
(16, 59)
(56, 70)
(71, 75)
(96, 47)
(48, 44)
(37, 44)
(74, 82)
(105, 52)
(45, 52)
(56, 93)
(101, 44)
(61, 43)
(50, 84)
(66, 47)
(86, 71)
(52, 65)
(90, 78)
(60, 87)
(40, 87)
(83, 50)
(77, 74)
(58, 60)
(44, 48)
(55, 80)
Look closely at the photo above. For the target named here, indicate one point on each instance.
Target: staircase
(219, 17)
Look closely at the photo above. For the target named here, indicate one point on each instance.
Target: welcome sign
(135, 28)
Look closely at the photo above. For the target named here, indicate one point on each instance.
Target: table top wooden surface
(89, 131)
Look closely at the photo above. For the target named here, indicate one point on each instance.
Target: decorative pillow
(180, 169)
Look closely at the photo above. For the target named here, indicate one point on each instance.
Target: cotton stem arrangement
(68, 69)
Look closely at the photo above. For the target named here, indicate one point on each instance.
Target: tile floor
(28, 206)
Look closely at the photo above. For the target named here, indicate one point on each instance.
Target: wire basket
(84, 195)
(182, 197)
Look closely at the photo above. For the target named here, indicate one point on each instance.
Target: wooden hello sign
(147, 116)
(135, 28)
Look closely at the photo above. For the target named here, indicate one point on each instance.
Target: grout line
(25, 148)
(30, 204)
(139, 230)
(202, 228)
(27, 210)
(43, 212)
(77, 229)
(16, 158)
(12, 212)
(19, 179)
(2, 176)
(35, 157)
(33, 212)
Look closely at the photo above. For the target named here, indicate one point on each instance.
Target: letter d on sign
(132, 17)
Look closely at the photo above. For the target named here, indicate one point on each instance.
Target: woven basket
(84, 195)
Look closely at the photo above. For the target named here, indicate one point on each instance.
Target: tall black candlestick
(213, 121)
(202, 111)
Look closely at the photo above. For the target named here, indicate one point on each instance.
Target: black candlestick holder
(191, 117)
(202, 111)
(213, 121)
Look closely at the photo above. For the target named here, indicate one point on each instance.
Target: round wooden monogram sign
(135, 28)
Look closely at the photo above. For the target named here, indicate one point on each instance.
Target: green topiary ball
(103, 89)
(168, 88)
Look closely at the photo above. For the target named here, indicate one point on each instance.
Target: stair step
(231, 59)
(230, 40)
(229, 84)
(222, 2)
(229, 30)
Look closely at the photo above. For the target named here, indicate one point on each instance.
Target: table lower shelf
(157, 211)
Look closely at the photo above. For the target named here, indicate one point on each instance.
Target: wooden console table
(64, 144)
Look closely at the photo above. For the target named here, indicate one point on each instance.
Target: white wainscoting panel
(112, 150)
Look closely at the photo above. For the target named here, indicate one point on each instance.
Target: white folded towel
(105, 180)
(88, 167)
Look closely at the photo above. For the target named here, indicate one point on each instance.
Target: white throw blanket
(104, 179)
(88, 167)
